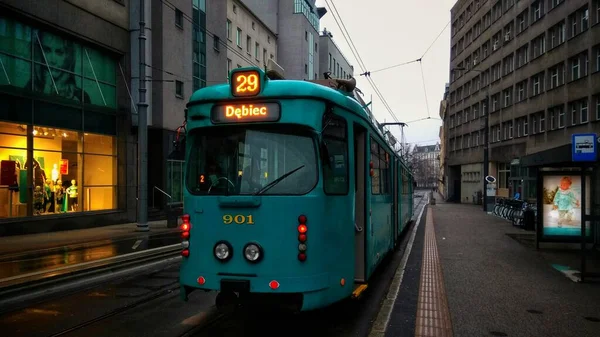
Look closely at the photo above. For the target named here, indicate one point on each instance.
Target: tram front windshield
(257, 160)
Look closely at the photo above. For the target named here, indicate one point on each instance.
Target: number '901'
(238, 219)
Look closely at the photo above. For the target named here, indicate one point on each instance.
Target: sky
(390, 32)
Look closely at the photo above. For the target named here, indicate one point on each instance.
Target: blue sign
(584, 147)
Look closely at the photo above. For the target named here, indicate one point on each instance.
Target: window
(537, 10)
(508, 97)
(216, 43)
(584, 116)
(248, 44)
(229, 30)
(179, 18)
(179, 89)
(380, 181)
(264, 56)
(538, 45)
(536, 84)
(253, 159)
(335, 165)
(238, 38)
(72, 171)
(228, 67)
(256, 50)
(561, 116)
(521, 91)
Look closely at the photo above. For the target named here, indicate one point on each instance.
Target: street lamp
(486, 159)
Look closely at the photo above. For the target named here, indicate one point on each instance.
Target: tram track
(169, 292)
(17, 296)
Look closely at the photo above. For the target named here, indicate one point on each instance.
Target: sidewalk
(498, 286)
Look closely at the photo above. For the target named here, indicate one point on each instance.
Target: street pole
(142, 224)
(486, 159)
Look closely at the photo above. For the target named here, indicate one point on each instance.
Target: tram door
(360, 168)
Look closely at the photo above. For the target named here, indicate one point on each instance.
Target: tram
(293, 194)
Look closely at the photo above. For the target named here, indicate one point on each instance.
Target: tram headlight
(223, 251)
(252, 252)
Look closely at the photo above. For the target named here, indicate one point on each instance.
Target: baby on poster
(565, 201)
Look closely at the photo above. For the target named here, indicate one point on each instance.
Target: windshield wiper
(276, 181)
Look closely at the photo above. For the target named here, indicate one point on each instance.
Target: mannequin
(38, 200)
(59, 192)
(54, 172)
(48, 196)
(72, 193)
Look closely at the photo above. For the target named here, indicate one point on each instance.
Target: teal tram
(293, 194)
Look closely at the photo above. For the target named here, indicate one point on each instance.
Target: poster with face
(57, 69)
(562, 200)
(55, 65)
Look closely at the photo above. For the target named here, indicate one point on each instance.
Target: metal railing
(161, 191)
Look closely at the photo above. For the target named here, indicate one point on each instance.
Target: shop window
(13, 170)
(57, 170)
(99, 172)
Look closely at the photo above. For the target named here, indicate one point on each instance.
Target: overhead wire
(354, 51)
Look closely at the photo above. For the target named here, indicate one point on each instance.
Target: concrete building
(251, 41)
(425, 162)
(331, 58)
(296, 24)
(186, 50)
(539, 62)
(442, 178)
(67, 150)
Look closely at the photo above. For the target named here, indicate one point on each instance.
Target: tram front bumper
(257, 284)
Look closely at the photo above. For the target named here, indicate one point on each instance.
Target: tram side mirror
(324, 153)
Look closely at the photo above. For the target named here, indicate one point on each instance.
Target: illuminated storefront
(58, 124)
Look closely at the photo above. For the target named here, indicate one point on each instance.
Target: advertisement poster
(562, 205)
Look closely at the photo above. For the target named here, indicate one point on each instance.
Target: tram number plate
(239, 219)
(235, 285)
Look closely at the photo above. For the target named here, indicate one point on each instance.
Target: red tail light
(302, 229)
(185, 234)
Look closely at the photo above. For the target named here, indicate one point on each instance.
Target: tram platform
(470, 274)
(24, 256)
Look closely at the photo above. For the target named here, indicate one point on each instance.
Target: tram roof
(282, 89)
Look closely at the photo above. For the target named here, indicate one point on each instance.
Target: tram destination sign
(245, 113)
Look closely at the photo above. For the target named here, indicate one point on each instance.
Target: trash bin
(174, 210)
(528, 220)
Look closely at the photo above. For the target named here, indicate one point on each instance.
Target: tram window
(335, 172)
(243, 160)
(384, 165)
(376, 178)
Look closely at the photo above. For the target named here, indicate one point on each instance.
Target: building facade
(66, 146)
(296, 24)
(442, 177)
(538, 61)
(186, 50)
(251, 42)
(331, 58)
(425, 165)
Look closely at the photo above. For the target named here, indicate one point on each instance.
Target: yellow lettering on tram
(239, 219)
(243, 111)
